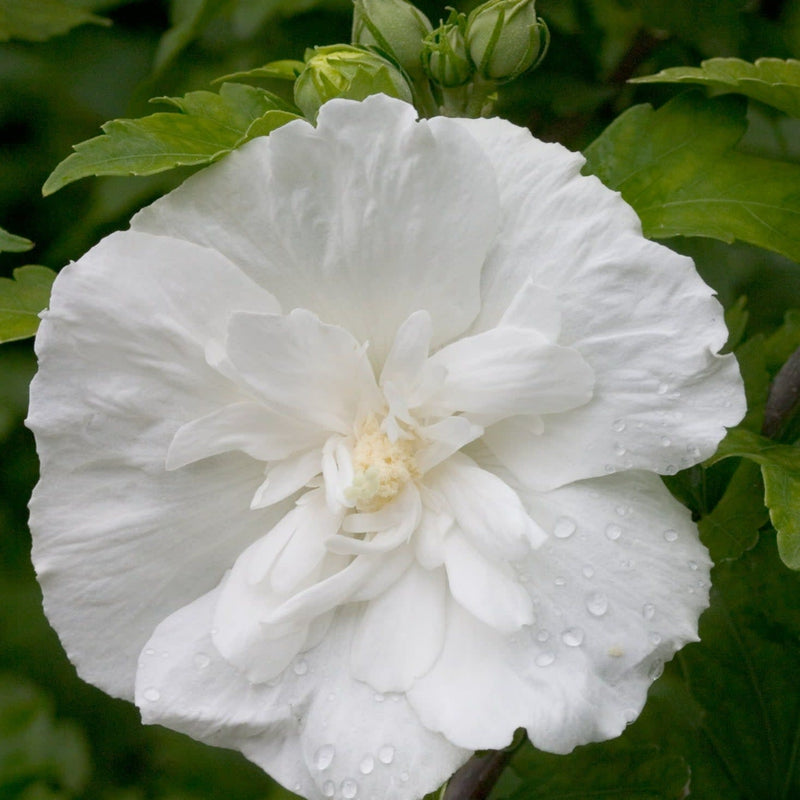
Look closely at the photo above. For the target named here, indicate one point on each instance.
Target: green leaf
(21, 300)
(209, 126)
(757, 448)
(611, 770)
(736, 318)
(38, 20)
(732, 527)
(784, 341)
(37, 752)
(286, 70)
(9, 243)
(678, 169)
(770, 80)
(752, 365)
(782, 496)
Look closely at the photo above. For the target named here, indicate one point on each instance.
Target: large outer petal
(316, 729)
(118, 542)
(637, 312)
(364, 220)
(617, 589)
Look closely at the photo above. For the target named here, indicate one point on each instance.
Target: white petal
(429, 538)
(638, 313)
(246, 426)
(303, 368)
(488, 512)
(285, 477)
(409, 351)
(534, 307)
(122, 368)
(402, 631)
(443, 439)
(371, 205)
(314, 728)
(507, 371)
(488, 590)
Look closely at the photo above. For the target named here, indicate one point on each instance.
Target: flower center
(381, 467)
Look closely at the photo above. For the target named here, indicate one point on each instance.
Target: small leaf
(9, 243)
(209, 126)
(286, 70)
(782, 496)
(38, 20)
(732, 527)
(770, 80)
(678, 169)
(21, 301)
(736, 318)
(757, 448)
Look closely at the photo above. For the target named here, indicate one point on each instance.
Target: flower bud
(394, 26)
(505, 39)
(444, 53)
(344, 71)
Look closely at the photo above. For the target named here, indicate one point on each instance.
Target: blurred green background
(60, 738)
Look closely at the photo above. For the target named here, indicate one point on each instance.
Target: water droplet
(618, 425)
(619, 449)
(149, 652)
(564, 528)
(349, 788)
(693, 451)
(378, 697)
(596, 604)
(587, 571)
(609, 469)
(648, 611)
(545, 659)
(693, 565)
(367, 765)
(386, 754)
(655, 638)
(656, 670)
(662, 388)
(152, 695)
(572, 637)
(666, 441)
(201, 660)
(670, 535)
(670, 469)
(623, 511)
(300, 667)
(404, 777)
(627, 563)
(329, 788)
(560, 581)
(323, 758)
(542, 636)
(613, 532)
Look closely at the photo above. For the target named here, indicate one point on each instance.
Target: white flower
(327, 442)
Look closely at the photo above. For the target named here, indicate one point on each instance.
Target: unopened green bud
(505, 39)
(394, 26)
(344, 71)
(444, 53)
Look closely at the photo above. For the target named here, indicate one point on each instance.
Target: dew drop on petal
(149, 652)
(666, 441)
(648, 611)
(613, 532)
(663, 388)
(367, 765)
(152, 695)
(670, 535)
(378, 697)
(627, 563)
(654, 638)
(201, 660)
(349, 788)
(619, 449)
(622, 510)
(386, 754)
(656, 670)
(597, 604)
(404, 777)
(300, 667)
(329, 788)
(545, 659)
(560, 581)
(693, 565)
(542, 635)
(587, 571)
(323, 758)
(618, 425)
(572, 637)
(564, 528)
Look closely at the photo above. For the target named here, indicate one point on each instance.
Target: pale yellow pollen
(381, 467)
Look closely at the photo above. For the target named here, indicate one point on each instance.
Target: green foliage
(9, 243)
(771, 80)
(21, 300)
(285, 70)
(38, 20)
(782, 496)
(40, 757)
(678, 169)
(209, 126)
